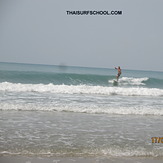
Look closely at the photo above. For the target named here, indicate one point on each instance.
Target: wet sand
(25, 159)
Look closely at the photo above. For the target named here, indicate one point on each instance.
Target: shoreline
(37, 159)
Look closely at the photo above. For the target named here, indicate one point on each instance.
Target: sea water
(77, 111)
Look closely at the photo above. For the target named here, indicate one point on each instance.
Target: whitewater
(80, 89)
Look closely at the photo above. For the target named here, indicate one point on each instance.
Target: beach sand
(25, 159)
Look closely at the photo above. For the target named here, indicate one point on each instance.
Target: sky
(41, 32)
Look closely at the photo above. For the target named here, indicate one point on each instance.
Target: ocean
(48, 110)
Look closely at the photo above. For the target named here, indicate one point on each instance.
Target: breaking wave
(130, 81)
(80, 89)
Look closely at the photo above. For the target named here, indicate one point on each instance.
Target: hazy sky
(40, 31)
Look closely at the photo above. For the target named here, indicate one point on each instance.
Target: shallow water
(79, 134)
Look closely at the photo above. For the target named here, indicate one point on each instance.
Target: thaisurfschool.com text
(94, 12)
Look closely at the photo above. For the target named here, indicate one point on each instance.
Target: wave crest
(131, 81)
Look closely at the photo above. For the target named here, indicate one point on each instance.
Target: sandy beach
(25, 159)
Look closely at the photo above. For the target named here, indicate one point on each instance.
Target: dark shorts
(118, 74)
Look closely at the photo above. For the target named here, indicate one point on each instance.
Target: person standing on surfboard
(119, 72)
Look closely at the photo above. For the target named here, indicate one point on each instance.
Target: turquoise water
(45, 74)
(62, 110)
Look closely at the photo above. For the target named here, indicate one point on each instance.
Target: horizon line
(65, 65)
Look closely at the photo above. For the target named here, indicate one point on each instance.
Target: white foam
(91, 109)
(115, 151)
(131, 81)
(80, 89)
(131, 151)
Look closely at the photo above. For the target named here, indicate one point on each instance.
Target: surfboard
(115, 83)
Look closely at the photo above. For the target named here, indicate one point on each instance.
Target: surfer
(119, 72)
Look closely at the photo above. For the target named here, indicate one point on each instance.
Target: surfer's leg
(117, 77)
